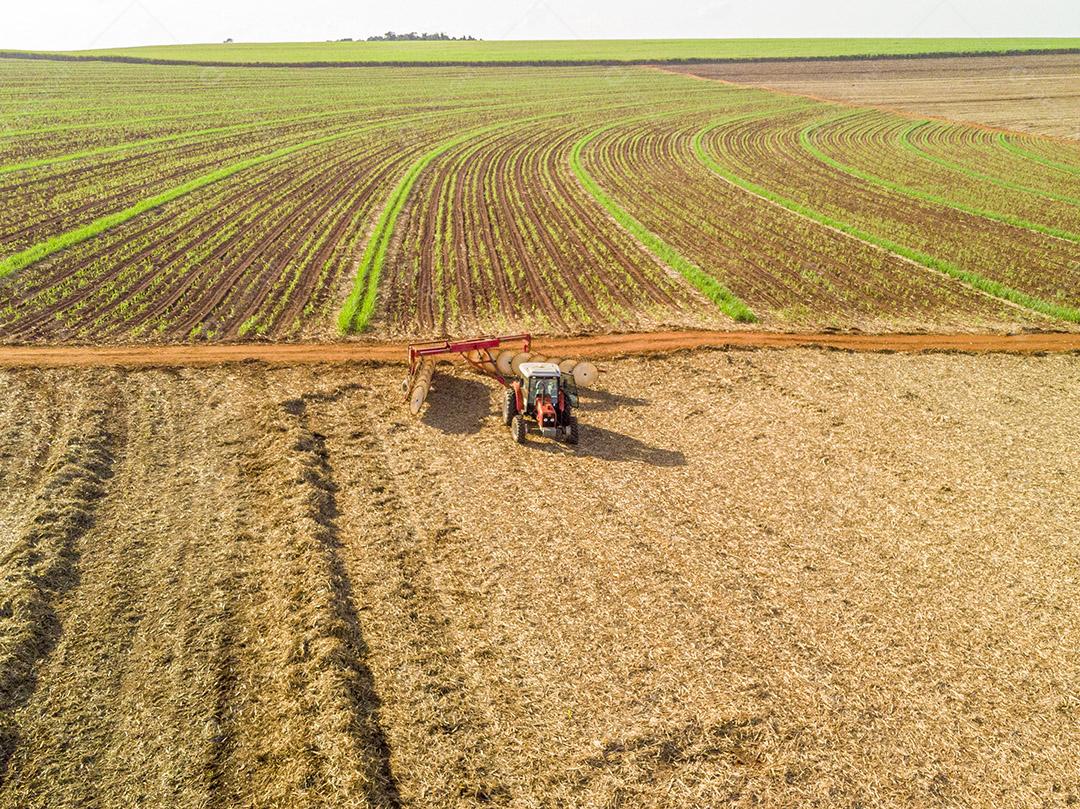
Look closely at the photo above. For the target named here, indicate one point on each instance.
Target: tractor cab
(543, 399)
(542, 386)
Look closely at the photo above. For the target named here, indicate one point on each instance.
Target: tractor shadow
(608, 445)
(457, 405)
(598, 401)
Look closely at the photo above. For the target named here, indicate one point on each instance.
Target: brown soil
(1031, 93)
(595, 346)
(797, 578)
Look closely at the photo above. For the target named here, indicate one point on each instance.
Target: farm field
(1026, 93)
(764, 578)
(395, 203)
(574, 50)
(234, 571)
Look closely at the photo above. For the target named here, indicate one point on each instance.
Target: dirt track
(596, 346)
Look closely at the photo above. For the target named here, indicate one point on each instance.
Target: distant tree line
(390, 36)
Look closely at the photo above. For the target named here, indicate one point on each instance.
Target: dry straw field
(795, 578)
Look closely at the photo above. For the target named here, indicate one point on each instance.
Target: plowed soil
(798, 578)
(1029, 93)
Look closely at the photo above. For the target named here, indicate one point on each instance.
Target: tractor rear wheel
(509, 406)
(572, 432)
(518, 428)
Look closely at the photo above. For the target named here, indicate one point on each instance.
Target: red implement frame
(483, 345)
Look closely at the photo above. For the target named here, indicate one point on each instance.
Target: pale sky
(79, 24)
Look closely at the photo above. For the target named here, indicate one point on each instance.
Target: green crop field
(577, 50)
(173, 203)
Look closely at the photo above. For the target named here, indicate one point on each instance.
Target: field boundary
(691, 60)
(594, 346)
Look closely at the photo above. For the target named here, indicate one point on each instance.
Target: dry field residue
(1030, 93)
(796, 578)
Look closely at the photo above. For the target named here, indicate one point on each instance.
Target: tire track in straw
(437, 722)
(41, 565)
(352, 750)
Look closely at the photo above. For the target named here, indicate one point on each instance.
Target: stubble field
(807, 578)
(764, 578)
(1035, 94)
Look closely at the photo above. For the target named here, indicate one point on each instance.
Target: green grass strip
(807, 143)
(360, 305)
(62, 241)
(906, 144)
(1009, 146)
(712, 289)
(990, 287)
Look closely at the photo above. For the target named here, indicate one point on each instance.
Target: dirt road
(596, 346)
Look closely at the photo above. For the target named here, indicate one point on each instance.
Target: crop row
(784, 266)
(420, 203)
(53, 200)
(253, 229)
(498, 231)
(244, 256)
(1034, 269)
(877, 147)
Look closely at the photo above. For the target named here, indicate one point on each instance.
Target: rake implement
(499, 357)
(481, 353)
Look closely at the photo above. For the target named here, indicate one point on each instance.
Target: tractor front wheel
(509, 406)
(572, 432)
(518, 428)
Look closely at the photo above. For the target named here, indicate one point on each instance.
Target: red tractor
(540, 396)
(543, 400)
